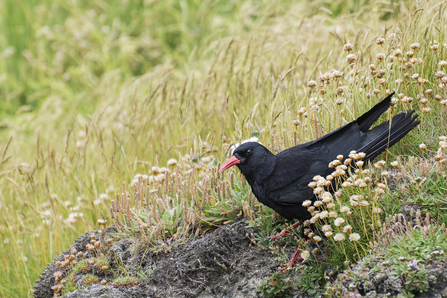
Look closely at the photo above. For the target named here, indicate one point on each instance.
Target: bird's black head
(254, 160)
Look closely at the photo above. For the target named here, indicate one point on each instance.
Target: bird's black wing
(296, 166)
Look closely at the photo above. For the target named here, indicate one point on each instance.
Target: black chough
(281, 181)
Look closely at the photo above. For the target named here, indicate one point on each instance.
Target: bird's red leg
(295, 259)
(286, 231)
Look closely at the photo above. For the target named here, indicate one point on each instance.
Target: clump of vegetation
(408, 252)
(276, 285)
(126, 281)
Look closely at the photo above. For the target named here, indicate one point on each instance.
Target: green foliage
(126, 281)
(313, 278)
(276, 285)
(403, 252)
(69, 286)
(429, 192)
(90, 279)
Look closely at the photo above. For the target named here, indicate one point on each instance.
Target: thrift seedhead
(305, 254)
(339, 221)
(347, 229)
(339, 236)
(397, 53)
(439, 74)
(348, 47)
(380, 41)
(351, 58)
(415, 46)
(354, 237)
(311, 84)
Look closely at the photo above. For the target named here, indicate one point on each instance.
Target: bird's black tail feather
(386, 135)
(366, 120)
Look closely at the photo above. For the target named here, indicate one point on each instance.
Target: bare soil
(224, 263)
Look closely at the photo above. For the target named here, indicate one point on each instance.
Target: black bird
(281, 181)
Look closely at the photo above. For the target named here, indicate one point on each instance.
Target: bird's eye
(248, 152)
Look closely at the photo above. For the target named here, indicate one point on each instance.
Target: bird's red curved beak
(229, 163)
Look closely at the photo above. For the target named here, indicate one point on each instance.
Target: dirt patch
(220, 264)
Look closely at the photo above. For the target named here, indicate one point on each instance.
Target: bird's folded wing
(291, 186)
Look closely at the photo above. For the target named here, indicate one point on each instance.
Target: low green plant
(90, 279)
(404, 249)
(277, 285)
(126, 281)
(313, 278)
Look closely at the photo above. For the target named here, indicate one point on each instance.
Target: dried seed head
(348, 47)
(339, 221)
(324, 214)
(380, 56)
(307, 203)
(397, 53)
(328, 234)
(422, 147)
(339, 101)
(380, 41)
(377, 210)
(351, 58)
(347, 229)
(439, 74)
(429, 91)
(311, 84)
(415, 46)
(410, 54)
(434, 47)
(305, 254)
(172, 162)
(354, 237)
(345, 209)
(326, 228)
(339, 237)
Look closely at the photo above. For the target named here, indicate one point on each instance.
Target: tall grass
(94, 93)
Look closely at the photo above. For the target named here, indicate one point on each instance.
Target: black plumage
(281, 181)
